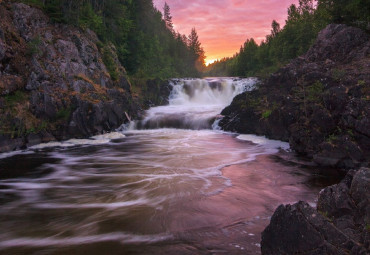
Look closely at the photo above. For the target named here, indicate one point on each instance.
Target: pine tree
(196, 48)
(167, 16)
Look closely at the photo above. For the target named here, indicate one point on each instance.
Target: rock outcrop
(339, 225)
(53, 81)
(320, 102)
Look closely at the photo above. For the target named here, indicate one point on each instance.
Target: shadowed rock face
(340, 225)
(319, 102)
(53, 81)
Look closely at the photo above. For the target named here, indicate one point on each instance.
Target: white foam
(95, 140)
(114, 205)
(124, 238)
(263, 141)
(110, 136)
(194, 103)
(14, 153)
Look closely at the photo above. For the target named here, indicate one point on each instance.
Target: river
(171, 183)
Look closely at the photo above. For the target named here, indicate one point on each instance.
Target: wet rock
(10, 144)
(338, 226)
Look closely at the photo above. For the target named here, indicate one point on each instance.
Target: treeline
(281, 45)
(146, 42)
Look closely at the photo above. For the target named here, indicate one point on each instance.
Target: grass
(266, 114)
(338, 74)
(315, 91)
(16, 97)
(63, 114)
(33, 46)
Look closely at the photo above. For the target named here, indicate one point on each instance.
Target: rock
(2, 50)
(63, 83)
(33, 83)
(319, 102)
(339, 43)
(338, 226)
(9, 144)
(10, 84)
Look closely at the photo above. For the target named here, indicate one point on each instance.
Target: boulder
(339, 225)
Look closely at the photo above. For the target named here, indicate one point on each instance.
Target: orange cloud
(224, 25)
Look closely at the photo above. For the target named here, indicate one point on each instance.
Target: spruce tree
(167, 16)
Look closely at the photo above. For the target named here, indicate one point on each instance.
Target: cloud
(224, 25)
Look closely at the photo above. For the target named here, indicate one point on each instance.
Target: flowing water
(169, 184)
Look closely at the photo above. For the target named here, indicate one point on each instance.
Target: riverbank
(320, 104)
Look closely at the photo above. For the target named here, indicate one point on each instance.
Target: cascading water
(196, 103)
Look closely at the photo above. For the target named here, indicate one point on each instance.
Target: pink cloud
(224, 25)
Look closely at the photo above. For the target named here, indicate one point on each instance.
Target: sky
(224, 25)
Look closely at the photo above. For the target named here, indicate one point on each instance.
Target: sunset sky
(224, 25)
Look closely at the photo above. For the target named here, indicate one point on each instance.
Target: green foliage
(361, 82)
(17, 97)
(110, 64)
(146, 42)
(33, 46)
(37, 129)
(351, 12)
(89, 19)
(63, 114)
(315, 91)
(266, 114)
(338, 74)
(332, 138)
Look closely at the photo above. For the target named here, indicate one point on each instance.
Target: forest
(146, 42)
(300, 31)
(149, 47)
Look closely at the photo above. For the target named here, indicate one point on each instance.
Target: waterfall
(195, 103)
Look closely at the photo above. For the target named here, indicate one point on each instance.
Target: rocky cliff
(320, 102)
(56, 81)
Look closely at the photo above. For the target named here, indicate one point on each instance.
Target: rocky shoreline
(339, 224)
(320, 103)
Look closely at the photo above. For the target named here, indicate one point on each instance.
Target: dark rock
(9, 144)
(338, 43)
(319, 102)
(2, 50)
(299, 229)
(65, 86)
(33, 82)
(338, 226)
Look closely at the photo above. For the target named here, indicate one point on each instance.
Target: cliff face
(319, 102)
(53, 81)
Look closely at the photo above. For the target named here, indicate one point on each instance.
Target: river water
(171, 183)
